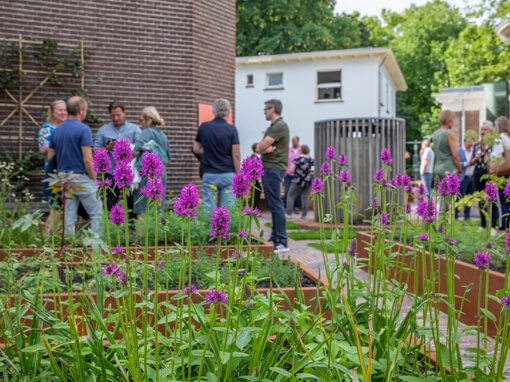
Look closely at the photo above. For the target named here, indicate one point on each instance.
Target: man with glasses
(275, 155)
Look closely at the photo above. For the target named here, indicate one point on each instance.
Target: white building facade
(314, 86)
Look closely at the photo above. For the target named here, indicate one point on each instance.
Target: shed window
(249, 80)
(274, 80)
(329, 85)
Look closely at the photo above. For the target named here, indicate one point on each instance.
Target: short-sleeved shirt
(443, 157)
(44, 135)
(109, 132)
(279, 158)
(303, 172)
(501, 145)
(428, 153)
(217, 138)
(67, 141)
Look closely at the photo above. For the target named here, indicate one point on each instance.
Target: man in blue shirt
(71, 143)
(218, 142)
(118, 128)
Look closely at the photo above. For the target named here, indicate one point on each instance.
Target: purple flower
(408, 188)
(123, 174)
(109, 269)
(342, 160)
(102, 161)
(116, 271)
(241, 184)
(326, 168)
(426, 209)
(117, 214)
(251, 212)
(449, 185)
(252, 167)
(158, 267)
(397, 180)
(317, 186)
(506, 190)
(506, 301)
(507, 243)
(152, 166)
(236, 254)
(118, 249)
(451, 241)
(122, 150)
(345, 176)
(386, 157)
(374, 203)
(121, 277)
(330, 152)
(423, 237)
(103, 184)
(440, 228)
(243, 233)
(188, 201)
(190, 290)
(482, 259)
(153, 189)
(488, 245)
(379, 176)
(421, 190)
(491, 192)
(215, 296)
(352, 249)
(383, 220)
(408, 208)
(220, 222)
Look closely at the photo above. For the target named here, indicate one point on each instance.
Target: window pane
(249, 80)
(330, 93)
(275, 79)
(326, 77)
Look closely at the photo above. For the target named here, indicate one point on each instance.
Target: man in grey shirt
(118, 128)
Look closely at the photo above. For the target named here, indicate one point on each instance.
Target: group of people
(68, 144)
(217, 143)
(474, 159)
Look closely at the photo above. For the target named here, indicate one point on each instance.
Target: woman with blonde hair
(152, 140)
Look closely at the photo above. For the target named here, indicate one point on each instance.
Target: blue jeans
(217, 184)
(427, 182)
(467, 187)
(87, 197)
(272, 182)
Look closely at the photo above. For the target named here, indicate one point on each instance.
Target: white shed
(313, 86)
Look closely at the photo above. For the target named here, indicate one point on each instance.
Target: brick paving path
(312, 257)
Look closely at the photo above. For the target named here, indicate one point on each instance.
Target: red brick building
(173, 55)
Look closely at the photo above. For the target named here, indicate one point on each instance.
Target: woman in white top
(501, 155)
(426, 165)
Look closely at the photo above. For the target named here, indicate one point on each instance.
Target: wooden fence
(362, 141)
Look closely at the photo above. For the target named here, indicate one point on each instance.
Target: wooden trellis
(21, 104)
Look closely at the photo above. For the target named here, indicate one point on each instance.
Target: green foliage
(9, 59)
(283, 26)
(290, 225)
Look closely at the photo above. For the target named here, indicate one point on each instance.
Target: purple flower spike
(236, 254)
(117, 214)
(383, 220)
(220, 222)
(374, 203)
(153, 189)
(352, 249)
(243, 233)
(122, 150)
(482, 259)
(330, 152)
(152, 166)
(188, 290)
(421, 190)
(426, 209)
(188, 201)
(506, 191)
(241, 184)
(379, 176)
(118, 249)
(102, 161)
(103, 184)
(342, 160)
(386, 157)
(159, 265)
(423, 237)
(449, 185)
(491, 192)
(326, 168)
(252, 167)
(440, 229)
(215, 296)
(317, 186)
(123, 174)
(507, 243)
(345, 176)
(506, 301)
(251, 212)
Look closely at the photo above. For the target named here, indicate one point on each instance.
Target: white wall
(300, 109)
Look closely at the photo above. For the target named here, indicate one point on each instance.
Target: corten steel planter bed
(264, 248)
(110, 303)
(468, 274)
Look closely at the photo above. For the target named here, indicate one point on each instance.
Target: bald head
(295, 142)
(77, 107)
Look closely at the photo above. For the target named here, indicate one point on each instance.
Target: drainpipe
(379, 87)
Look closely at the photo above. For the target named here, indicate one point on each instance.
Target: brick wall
(169, 54)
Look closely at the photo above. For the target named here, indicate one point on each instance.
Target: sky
(374, 7)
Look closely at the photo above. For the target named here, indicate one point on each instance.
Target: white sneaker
(280, 248)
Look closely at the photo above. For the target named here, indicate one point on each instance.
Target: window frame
(248, 83)
(273, 87)
(317, 87)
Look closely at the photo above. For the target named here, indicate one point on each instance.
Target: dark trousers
(114, 196)
(480, 186)
(272, 182)
(287, 181)
(296, 190)
(257, 191)
(467, 187)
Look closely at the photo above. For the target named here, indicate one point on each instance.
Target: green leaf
(488, 314)
(281, 371)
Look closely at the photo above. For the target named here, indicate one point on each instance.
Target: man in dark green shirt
(275, 155)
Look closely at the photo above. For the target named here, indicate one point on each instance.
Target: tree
(286, 26)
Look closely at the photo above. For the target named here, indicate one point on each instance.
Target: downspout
(379, 87)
